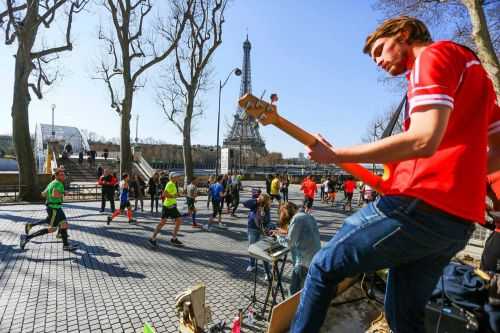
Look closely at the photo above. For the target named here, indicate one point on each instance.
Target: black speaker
(444, 317)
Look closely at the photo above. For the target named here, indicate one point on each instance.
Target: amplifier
(448, 318)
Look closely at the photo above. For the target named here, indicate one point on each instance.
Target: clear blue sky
(309, 52)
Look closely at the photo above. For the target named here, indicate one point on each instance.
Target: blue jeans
(253, 237)
(395, 233)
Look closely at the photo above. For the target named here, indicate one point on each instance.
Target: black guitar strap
(394, 119)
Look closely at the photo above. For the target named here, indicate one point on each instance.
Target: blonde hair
(265, 199)
(417, 30)
(287, 211)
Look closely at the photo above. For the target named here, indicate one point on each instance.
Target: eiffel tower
(244, 135)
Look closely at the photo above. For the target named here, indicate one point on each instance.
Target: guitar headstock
(265, 113)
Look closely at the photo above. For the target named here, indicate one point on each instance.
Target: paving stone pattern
(114, 282)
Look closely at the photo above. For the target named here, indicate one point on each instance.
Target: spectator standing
(285, 182)
(105, 154)
(268, 184)
(154, 190)
(258, 218)
(138, 186)
(100, 171)
(108, 184)
(80, 157)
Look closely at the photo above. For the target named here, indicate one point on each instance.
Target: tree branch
(171, 48)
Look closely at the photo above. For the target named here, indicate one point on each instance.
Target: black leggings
(153, 200)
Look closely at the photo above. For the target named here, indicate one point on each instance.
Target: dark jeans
(414, 242)
(235, 203)
(285, 194)
(154, 202)
(108, 195)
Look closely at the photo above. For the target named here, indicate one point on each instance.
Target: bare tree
(375, 130)
(131, 53)
(189, 73)
(23, 23)
(475, 23)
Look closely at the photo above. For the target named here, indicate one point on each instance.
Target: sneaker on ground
(108, 220)
(222, 225)
(250, 268)
(175, 242)
(153, 243)
(195, 225)
(205, 227)
(27, 228)
(69, 247)
(22, 241)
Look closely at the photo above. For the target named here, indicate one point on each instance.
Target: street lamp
(236, 72)
(53, 106)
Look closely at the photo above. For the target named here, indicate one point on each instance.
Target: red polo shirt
(453, 179)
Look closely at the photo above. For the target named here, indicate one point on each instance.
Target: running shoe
(22, 241)
(176, 242)
(153, 243)
(108, 220)
(27, 228)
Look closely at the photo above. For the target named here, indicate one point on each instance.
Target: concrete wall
(166, 153)
(11, 179)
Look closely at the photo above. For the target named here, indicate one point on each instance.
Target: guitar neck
(307, 139)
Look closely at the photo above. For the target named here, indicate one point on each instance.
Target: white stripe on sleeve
(430, 102)
(419, 98)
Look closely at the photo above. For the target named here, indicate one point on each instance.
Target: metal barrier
(9, 193)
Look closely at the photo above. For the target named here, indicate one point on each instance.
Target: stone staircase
(84, 172)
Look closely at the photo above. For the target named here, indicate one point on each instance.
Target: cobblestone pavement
(115, 282)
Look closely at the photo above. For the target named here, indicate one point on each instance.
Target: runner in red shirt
(309, 188)
(437, 188)
(349, 187)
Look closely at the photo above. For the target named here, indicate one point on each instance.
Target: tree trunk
(30, 190)
(28, 175)
(482, 39)
(186, 145)
(125, 149)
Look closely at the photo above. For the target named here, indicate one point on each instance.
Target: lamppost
(53, 106)
(236, 72)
